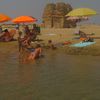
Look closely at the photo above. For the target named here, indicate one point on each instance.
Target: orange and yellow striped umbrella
(4, 18)
(24, 19)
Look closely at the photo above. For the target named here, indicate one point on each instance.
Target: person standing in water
(20, 41)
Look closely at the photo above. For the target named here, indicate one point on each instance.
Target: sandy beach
(67, 34)
(62, 35)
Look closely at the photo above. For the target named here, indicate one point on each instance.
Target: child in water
(51, 45)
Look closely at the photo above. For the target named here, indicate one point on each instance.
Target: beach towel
(82, 44)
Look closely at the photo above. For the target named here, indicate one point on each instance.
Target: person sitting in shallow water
(35, 53)
(50, 44)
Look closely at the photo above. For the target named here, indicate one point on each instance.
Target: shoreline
(60, 36)
(90, 50)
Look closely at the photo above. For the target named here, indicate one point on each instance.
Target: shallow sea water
(56, 76)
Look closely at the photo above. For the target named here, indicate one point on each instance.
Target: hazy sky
(35, 8)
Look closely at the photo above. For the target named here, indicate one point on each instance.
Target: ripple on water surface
(57, 76)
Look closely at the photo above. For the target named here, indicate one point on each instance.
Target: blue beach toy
(82, 44)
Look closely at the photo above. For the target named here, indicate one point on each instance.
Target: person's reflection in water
(28, 75)
(25, 74)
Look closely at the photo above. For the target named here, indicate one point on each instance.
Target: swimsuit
(31, 49)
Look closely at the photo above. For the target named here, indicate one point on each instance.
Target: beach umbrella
(4, 18)
(79, 12)
(24, 19)
(77, 19)
(73, 18)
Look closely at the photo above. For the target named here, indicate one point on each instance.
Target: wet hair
(49, 41)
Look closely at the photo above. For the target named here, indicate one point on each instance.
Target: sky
(34, 8)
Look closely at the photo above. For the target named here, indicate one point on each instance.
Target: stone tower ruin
(54, 16)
